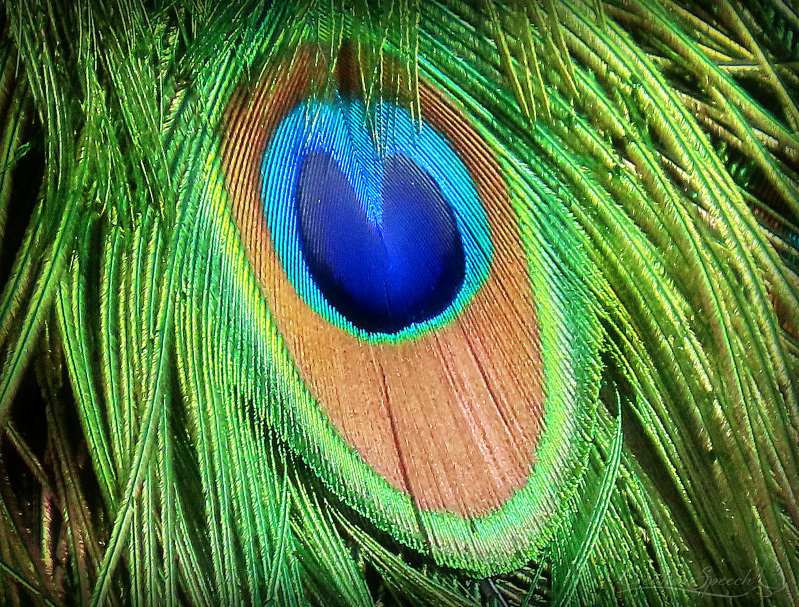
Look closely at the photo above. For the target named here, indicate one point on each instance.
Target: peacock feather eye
(401, 279)
(379, 228)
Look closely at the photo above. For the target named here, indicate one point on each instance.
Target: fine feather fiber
(402, 302)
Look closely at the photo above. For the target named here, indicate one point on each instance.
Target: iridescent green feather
(159, 447)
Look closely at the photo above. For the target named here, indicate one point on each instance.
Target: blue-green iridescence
(380, 228)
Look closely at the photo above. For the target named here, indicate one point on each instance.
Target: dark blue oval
(386, 273)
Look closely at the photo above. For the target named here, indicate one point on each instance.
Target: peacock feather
(399, 303)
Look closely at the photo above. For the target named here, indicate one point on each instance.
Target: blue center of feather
(378, 226)
(402, 265)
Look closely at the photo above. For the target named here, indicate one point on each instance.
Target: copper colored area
(453, 417)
